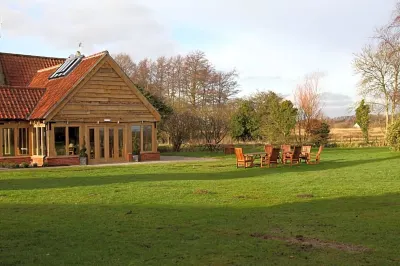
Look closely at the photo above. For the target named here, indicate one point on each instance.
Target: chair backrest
(297, 152)
(285, 148)
(274, 155)
(306, 149)
(239, 154)
(268, 148)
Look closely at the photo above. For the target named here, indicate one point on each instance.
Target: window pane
(8, 142)
(43, 141)
(120, 141)
(101, 136)
(23, 141)
(135, 139)
(111, 143)
(147, 138)
(92, 144)
(73, 146)
(59, 140)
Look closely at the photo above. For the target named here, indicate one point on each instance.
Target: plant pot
(135, 158)
(83, 160)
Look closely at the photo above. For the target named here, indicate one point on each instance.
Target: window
(101, 137)
(148, 138)
(120, 142)
(60, 140)
(92, 143)
(73, 139)
(23, 142)
(135, 139)
(110, 143)
(39, 141)
(8, 142)
(67, 66)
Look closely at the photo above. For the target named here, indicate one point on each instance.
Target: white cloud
(121, 25)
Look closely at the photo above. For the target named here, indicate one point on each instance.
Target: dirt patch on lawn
(314, 242)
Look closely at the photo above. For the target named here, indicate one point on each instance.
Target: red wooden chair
(243, 161)
(286, 152)
(305, 152)
(272, 158)
(294, 157)
(268, 148)
(317, 158)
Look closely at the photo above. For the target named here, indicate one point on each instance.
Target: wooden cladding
(105, 96)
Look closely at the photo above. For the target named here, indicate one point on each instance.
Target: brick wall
(17, 160)
(65, 160)
(153, 156)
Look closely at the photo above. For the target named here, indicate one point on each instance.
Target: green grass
(205, 213)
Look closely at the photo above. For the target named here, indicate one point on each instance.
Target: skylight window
(67, 66)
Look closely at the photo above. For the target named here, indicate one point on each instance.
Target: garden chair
(317, 158)
(272, 158)
(268, 148)
(242, 160)
(294, 157)
(305, 152)
(286, 153)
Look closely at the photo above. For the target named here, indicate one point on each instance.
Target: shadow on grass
(109, 176)
(46, 234)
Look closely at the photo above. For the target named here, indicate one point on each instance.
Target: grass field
(345, 211)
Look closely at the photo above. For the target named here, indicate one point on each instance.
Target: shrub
(45, 164)
(34, 165)
(393, 136)
(15, 165)
(24, 165)
(320, 133)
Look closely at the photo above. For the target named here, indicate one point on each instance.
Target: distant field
(354, 135)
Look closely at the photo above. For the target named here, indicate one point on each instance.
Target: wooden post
(37, 140)
(42, 140)
(16, 141)
(154, 136)
(66, 140)
(1, 141)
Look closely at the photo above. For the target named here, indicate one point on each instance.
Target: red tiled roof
(18, 102)
(19, 69)
(57, 89)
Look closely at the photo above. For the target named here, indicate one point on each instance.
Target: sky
(273, 44)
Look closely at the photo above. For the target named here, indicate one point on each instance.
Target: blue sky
(271, 43)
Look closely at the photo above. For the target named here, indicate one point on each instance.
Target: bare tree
(308, 102)
(373, 66)
(126, 63)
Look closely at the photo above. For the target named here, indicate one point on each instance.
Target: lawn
(345, 211)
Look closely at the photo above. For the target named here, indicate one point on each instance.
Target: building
(52, 107)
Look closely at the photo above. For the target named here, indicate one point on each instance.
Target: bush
(393, 136)
(320, 133)
(45, 164)
(15, 165)
(163, 149)
(34, 165)
(24, 165)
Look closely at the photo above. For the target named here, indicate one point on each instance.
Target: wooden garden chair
(305, 152)
(294, 157)
(286, 153)
(272, 158)
(317, 158)
(268, 149)
(242, 160)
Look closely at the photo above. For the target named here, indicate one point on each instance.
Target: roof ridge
(29, 55)
(96, 54)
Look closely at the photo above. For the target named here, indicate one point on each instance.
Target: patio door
(106, 144)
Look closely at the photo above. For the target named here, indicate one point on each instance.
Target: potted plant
(83, 157)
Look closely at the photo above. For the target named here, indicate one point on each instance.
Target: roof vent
(69, 65)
